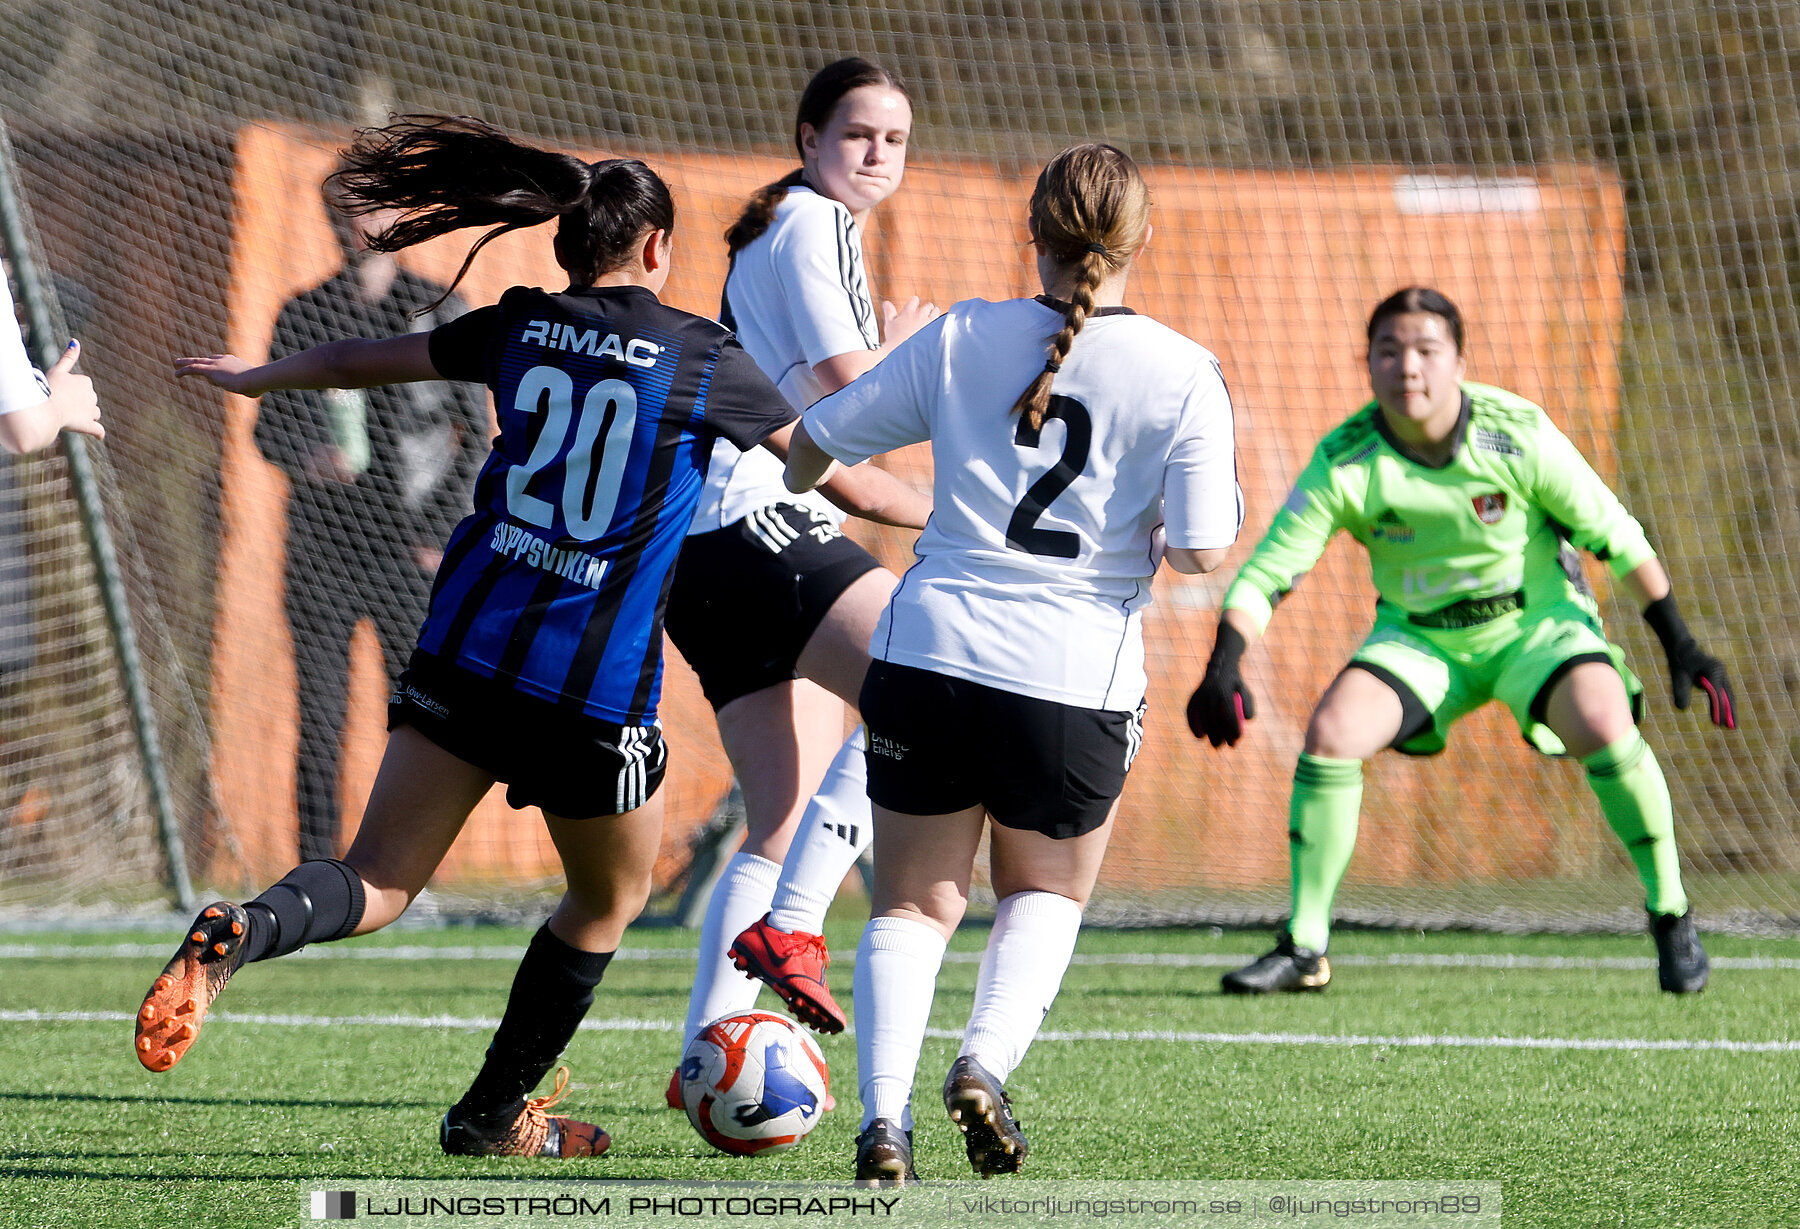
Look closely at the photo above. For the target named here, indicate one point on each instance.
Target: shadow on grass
(92, 1098)
(87, 1174)
(1093, 995)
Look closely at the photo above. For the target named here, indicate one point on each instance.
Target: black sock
(551, 992)
(315, 902)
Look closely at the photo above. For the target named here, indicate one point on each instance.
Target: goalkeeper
(1470, 503)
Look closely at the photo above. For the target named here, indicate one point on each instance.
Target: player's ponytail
(625, 200)
(1090, 211)
(820, 98)
(448, 172)
(759, 210)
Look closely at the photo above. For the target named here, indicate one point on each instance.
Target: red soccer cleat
(793, 966)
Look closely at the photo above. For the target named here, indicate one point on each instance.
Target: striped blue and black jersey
(608, 404)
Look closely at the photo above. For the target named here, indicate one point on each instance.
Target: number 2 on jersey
(588, 498)
(1022, 531)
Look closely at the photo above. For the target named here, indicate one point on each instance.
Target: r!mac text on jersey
(555, 335)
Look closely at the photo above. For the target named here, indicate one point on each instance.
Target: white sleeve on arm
(1203, 506)
(817, 258)
(21, 385)
(886, 408)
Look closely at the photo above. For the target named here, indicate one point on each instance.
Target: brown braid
(759, 211)
(1090, 205)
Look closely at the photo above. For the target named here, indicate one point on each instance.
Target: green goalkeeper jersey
(1497, 519)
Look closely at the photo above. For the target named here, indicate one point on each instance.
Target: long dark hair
(449, 172)
(1418, 299)
(820, 98)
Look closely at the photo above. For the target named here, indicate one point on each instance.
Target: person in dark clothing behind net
(380, 476)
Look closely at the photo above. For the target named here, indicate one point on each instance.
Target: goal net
(1608, 190)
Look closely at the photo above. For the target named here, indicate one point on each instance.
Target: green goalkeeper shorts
(1453, 672)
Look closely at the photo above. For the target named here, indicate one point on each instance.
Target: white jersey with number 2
(796, 296)
(1035, 568)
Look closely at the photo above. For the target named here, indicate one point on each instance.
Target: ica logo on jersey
(555, 335)
(1441, 582)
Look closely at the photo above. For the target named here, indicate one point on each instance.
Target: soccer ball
(753, 1082)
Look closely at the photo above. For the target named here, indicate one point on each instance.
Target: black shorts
(939, 744)
(568, 763)
(747, 598)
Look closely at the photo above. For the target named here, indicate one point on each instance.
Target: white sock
(896, 975)
(1027, 954)
(834, 830)
(738, 899)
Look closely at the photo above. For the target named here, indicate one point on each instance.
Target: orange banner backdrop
(1274, 272)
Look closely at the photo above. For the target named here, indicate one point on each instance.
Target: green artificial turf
(1584, 1138)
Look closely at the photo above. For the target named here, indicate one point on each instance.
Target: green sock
(1321, 836)
(1629, 783)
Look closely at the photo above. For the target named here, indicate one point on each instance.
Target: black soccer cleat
(1681, 963)
(521, 1129)
(169, 1020)
(978, 1104)
(884, 1155)
(1286, 968)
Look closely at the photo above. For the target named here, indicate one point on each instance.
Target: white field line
(1214, 960)
(1428, 1041)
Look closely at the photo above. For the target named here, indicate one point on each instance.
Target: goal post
(1604, 189)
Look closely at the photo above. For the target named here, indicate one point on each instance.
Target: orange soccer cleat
(170, 1018)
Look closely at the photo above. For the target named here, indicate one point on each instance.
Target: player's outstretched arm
(1194, 562)
(876, 495)
(1688, 662)
(898, 323)
(807, 464)
(357, 362)
(861, 490)
(1296, 538)
(1222, 703)
(71, 406)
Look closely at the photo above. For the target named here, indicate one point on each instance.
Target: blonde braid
(1034, 402)
(1090, 210)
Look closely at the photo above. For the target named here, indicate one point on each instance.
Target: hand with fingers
(228, 371)
(72, 395)
(899, 323)
(1690, 664)
(1222, 703)
(68, 403)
